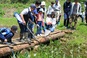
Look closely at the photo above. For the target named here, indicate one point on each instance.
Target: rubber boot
(21, 36)
(27, 39)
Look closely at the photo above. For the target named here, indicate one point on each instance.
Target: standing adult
(28, 17)
(74, 13)
(57, 9)
(86, 11)
(67, 9)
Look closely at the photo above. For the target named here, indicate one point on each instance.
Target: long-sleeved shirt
(6, 33)
(67, 7)
(57, 7)
(76, 9)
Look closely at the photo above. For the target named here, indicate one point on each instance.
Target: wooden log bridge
(6, 49)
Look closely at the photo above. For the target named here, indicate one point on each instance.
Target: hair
(53, 15)
(38, 2)
(52, 2)
(14, 28)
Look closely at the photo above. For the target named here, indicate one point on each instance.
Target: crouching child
(7, 34)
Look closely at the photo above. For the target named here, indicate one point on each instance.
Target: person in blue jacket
(6, 34)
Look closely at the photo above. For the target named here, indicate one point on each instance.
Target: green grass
(8, 22)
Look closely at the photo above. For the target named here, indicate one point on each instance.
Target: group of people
(45, 19)
(37, 15)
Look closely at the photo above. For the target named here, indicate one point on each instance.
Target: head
(38, 3)
(32, 7)
(68, 0)
(41, 10)
(52, 3)
(14, 29)
(43, 4)
(56, 1)
(53, 14)
(76, 1)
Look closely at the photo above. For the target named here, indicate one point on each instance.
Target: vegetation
(75, 45)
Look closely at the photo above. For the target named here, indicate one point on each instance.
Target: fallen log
(6, 50)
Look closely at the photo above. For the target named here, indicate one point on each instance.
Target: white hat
(41, 10)
(43, 3)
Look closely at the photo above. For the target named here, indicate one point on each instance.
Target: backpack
(4, 31)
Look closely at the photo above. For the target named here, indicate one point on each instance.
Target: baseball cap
(14, 28)
(32, 6)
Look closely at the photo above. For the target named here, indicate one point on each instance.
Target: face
(42, 6)
(68, 0)
(32, 9)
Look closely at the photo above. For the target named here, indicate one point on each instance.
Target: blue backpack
(4, 31)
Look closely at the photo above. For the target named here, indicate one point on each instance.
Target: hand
(24, 22)
(5, 40)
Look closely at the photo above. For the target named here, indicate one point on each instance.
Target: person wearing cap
(39, 21)
(6, 34)
(67, 9)
(57, 9)
(75, 10)
(28, 16)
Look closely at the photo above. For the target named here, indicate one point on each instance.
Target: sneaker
(38, 34)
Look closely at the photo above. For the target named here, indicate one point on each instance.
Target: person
(50, 8)
(51, 22)
(43, 6)
(74, 13)
(28, 18)
(57, 9)
(39, 22)
(67, 9)
(86, 12)
(48, 23)
(6, 34)
(37, 4)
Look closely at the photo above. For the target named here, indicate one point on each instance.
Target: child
(7, 34)
(39, 22)
(53, 21)
(48, 23)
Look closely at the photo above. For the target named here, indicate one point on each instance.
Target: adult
(67, 9)
(28, 18)
(74, 13)
(57, 9)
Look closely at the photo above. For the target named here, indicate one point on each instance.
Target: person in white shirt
(27, 16)
(50, 8)
(57, 9)
(51, 22)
